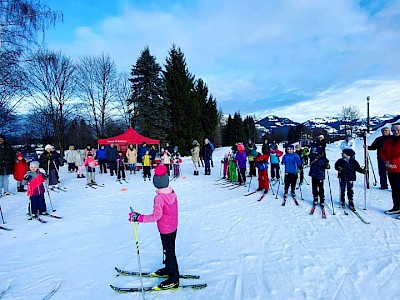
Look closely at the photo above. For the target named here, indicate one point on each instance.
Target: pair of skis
(94, 185)
(356, 213)
(323, 213)
(120, 181)
(7, 229)
(154, 288)
(46, 297)
(41, 220)
(58, 189)
(260, 198)
(294, 199)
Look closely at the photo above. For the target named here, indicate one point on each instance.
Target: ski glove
(133, 216)
(327, 166)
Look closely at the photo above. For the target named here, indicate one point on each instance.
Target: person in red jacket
(35, 179)
(261, 162)
(390, 154)
(20, 168)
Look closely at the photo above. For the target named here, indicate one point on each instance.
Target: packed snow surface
(242, 248)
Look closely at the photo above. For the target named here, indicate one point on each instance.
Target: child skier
(78, 160)
(318, 164)
(306, 153)
(165, 213)
(90, 164)
(176, 160)
(225, 164)
(34, 179)
(146, 165)
(120, 166)
(261, 162)
(166, 160)
(20, 168)
(232, 165)
(347, 166)
(275, 154)
(241, 160)
(292, 164)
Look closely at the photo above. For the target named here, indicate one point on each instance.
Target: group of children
(294, 160)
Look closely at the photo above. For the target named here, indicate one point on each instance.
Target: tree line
(47, 97)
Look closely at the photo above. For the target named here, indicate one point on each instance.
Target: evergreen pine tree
(238, 128)
(228, 137)
(249, 128)
(185, 110)
(150, 104)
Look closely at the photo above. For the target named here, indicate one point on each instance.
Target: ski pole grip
(131, 214)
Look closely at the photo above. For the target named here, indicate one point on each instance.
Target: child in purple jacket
(241, 159)
(165, 213)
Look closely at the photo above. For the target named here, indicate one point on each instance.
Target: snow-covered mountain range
(330, 124)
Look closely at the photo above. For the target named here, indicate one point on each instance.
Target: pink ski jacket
(165, 211)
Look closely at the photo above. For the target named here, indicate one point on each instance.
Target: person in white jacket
(78, 160)
(131, 155)
(348, 143)
(70, 158)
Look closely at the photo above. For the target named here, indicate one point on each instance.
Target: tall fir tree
(185, 110)
(249, 130)
(228, 137)
(150, 104)
(211, 117)
(238, 128)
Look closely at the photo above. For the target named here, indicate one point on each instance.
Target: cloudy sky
(298, 59)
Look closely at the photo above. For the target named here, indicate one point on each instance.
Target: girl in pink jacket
(165, 213)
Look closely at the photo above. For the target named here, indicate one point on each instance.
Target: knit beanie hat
(34, 163)
(160, 178)
(349, 152)
(48, 146)
(19, 154)
(290, 146)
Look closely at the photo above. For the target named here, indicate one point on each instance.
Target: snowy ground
(242, 248)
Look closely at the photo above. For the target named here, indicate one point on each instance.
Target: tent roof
(130, 136)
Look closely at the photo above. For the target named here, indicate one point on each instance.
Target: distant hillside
(332, 125)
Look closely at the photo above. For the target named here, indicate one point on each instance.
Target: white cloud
(384, 99)
(251, 51)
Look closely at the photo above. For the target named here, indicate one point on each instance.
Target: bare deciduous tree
(123, 93)
(22, 20)
(96, 78)
(12, 88)
(349, 114)
(50, 75)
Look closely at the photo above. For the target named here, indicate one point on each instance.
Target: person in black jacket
(318, 164)
(377, 145)
(7, 158)
(347, 166)
(112, 155)
(49, 162)
(321, 142)
(206, 153)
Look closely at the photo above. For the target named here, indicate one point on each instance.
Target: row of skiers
(234, 170)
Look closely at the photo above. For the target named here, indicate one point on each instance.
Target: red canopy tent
(130, 136)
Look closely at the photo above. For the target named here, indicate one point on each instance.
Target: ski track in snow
(242, 248)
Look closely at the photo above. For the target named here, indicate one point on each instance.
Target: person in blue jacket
(141, 151)
(292, 164)
(212, 150)
(101, 156)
